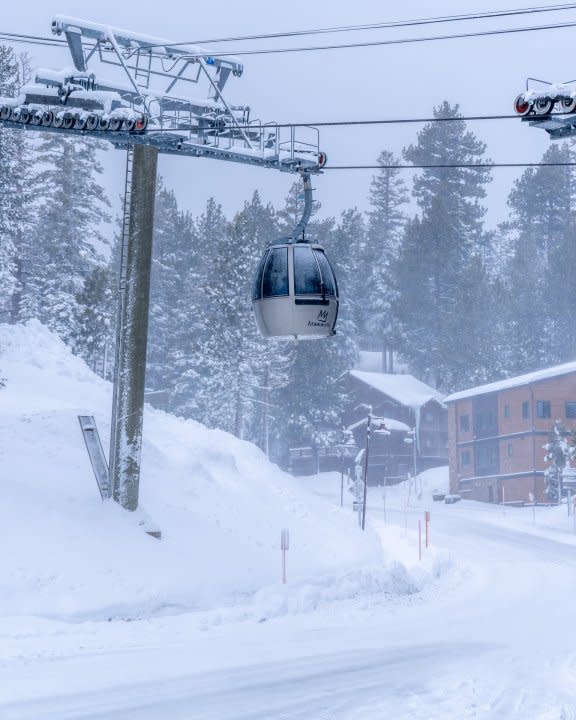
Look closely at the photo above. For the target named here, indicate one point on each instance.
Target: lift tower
(147, 107)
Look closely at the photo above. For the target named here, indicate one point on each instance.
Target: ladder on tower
(126, 216)
(121, 299)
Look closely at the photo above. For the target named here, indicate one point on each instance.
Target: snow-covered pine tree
(235, 356)
(174, 255)
(539, 277)
(94, 321)
(559, 453)
(441, 255)
(386, 223)
(191, 367)
(69, 239)
(346, 251)
(191, 327)
(15, 194)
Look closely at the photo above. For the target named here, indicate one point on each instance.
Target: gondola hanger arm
(299, 230)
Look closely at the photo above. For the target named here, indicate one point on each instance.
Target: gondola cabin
(295, 292)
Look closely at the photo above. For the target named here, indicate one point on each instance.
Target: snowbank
(219, 503)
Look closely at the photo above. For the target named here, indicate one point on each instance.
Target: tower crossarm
(141, 57)
(133, 110)
(142, 107)
(275, 147)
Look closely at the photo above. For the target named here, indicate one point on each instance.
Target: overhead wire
(433, 20)
(396, 121)
(362, 123)
(451, 166)
(466, 17)
(396, 41)
(32, 39)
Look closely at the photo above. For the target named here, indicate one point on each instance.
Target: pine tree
(346, 251)
(193, 331)
(15, 194)
(174, 253)
(69, 239)
(540, 272)
(386, 224)
(235, 355)
(94, 320)
(559, 453)
(441, 256)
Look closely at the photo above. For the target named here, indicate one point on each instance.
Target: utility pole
(411, 440)
(266, 412)
(132, 335)
(368, 433)
(415, 450)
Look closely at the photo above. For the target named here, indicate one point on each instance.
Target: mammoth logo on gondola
(321, 319)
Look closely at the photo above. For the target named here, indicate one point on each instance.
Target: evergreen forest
(420, 276)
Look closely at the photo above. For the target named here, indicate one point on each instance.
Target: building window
(525, 410)
(543, 408)
(465, 458)
(570, 409)
(464, 423)
(510, 450)
(506, 411)
(486, 459)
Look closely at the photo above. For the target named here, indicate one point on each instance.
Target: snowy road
(494, 641)
(319, 687)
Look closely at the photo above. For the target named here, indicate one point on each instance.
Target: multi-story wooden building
(411, 409)
(496, 433)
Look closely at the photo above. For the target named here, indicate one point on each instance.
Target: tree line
(419, 275)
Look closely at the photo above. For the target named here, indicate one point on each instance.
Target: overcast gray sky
(483, 75)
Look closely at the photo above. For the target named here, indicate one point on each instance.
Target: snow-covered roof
(517, 381)
(405, 389)
(390, 424)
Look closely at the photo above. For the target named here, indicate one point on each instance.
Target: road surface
(494, 638)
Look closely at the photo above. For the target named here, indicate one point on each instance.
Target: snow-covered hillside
(349, 637)
(219, 503)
